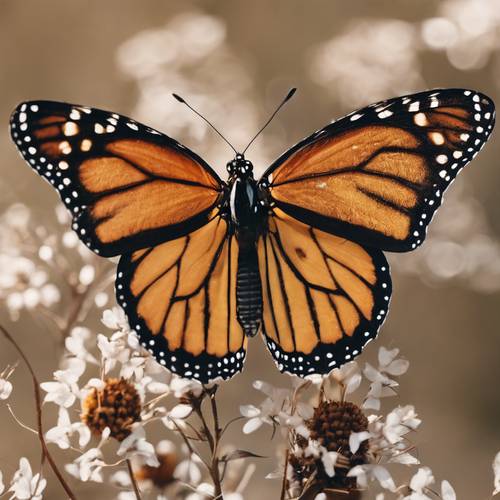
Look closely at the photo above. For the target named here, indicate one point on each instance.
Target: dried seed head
(331, 426)
(162, 475)
(117, 406)
(333, 423)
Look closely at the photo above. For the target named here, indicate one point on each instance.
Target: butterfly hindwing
(324, 296)
(180, 298)
(378, 175)
(126, 185)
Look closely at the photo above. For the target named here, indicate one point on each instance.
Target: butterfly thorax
(245, 208)
(244, 203)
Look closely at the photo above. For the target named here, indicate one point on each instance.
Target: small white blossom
(188, 471)
(25, 485)
(88, 466)
(399, 422)
(61, 434)
(64, 390)
(382, 385)
(75, 344)
(270, 409)
(181, 386)
(135, 444)
(5, 388)
(115, 319)
(372, 472)
(112, 352)
(348, 375)
(419, 484)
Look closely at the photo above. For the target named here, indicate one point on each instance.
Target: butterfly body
(297, 255)
(246, 207)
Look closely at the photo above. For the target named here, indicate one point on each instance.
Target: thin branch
(132, 479)
(38, 404)
(215, 452)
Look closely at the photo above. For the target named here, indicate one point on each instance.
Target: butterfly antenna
(180, 99)
(283, 102)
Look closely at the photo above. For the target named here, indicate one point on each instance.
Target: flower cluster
(48, 272)
(338, 445)
(129, 396)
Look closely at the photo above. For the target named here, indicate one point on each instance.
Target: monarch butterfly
(297, 254)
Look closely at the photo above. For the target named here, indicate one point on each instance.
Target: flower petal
(447, 491)
(252, 425)
(356, 438)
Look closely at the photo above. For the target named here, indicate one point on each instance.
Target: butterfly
(298, 255)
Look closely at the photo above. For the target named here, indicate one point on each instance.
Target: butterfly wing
(180, 297)
(324, 297)
(378, 175)
(126, 185)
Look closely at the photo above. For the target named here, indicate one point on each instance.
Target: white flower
(181, 386)
(135, 444)
(75, 344)
(112, 352)
(88, 467)
(65, 429)
(188, 471)
(24, 485)
(64, 390)
(115, 319)
(275, 406)
(399, 422)
(496, 472)
(5, 388)
(421, 480)
(381, 383)
(367, 472)
(348, 375)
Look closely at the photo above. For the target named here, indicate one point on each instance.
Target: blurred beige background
(129, 56)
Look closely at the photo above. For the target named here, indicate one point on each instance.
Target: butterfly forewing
(126, 185)
(378, 175)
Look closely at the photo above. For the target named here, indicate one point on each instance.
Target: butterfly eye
(231, 166)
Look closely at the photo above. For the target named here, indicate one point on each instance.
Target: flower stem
(132, 479)
(38, 405)
(212, 439)
(215, 451)
(283, 483)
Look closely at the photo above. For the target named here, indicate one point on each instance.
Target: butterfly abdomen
(248, 291)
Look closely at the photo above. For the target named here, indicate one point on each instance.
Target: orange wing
(126, 185)
(180, 297)
(324, 297)
(378, 175)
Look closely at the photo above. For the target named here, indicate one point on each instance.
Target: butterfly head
(240, 167)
